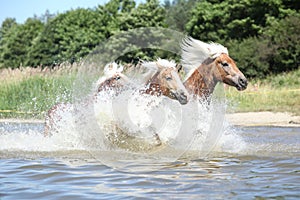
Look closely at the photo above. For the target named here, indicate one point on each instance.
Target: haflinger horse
(207, 64)
(161, 79)
(113, 81)
(164, 80)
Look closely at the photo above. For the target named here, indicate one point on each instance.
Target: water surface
(247, 163)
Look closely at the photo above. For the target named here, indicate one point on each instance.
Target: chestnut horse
(207, 64)
(112, 81)
(164, 80)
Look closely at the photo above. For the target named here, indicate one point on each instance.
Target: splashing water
(126, 126)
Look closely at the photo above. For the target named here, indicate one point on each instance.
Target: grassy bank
(29, 92)
(277, 93)
(31, 97)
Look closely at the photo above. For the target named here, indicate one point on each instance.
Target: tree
(127, 38)
(149, 14)
(178, 12)
(6, 25)
(233, 19)
(276, 50)
(251, 55)
(284, 38)
(69, 37)
(46, 17)
(17, 41)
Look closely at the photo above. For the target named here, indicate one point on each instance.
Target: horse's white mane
(109, 70)
(112, 68)
(194, 52)
(155, 66)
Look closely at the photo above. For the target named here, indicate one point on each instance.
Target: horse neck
(153, 86)
(202, 82)
(110, 84)
(105, 85)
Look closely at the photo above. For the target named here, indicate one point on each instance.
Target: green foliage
(284, 37)
(149, 14)
(7, 24)
(34, 95)
(16, 42)
(178, 13)
(276, 93)
(232, 19)
(262, 35)
(276, 50)
(68, 37)
(251, 56)
(126, 46)
(284, 80)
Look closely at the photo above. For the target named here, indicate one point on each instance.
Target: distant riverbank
(264, 119)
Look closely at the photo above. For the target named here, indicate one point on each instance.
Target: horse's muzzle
(242, 83)
(182, 97)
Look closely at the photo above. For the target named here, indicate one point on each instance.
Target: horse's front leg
(157, 141)
(155, 137)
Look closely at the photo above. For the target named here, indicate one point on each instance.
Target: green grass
(280, 93)
(32, 96)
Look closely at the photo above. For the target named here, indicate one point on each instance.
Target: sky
(23, 9)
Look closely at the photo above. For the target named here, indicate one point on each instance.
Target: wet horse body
(163, 80)
(207, 64)
(112, 81)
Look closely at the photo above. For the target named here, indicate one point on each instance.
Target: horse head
(113, 79)
(227, 72)
(166, 81)
(207, 64)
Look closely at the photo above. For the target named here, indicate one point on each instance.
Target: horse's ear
(178, 67)
(214, 55)
(120, 69)
(160, 67)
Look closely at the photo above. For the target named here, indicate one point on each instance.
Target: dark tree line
(263, 36)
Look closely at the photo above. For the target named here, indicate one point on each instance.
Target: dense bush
(251, 56)
(283, 37)
(275, 51)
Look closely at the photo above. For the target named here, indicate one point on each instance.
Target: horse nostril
(243, 81)
(183, 95)
(183, 98)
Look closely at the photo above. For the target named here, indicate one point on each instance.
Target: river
(247, 163)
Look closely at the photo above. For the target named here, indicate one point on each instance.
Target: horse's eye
(224, 64)
(168, 78)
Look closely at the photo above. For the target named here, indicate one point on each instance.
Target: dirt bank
(263, 119)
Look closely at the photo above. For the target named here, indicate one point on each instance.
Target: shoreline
(282, 119)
